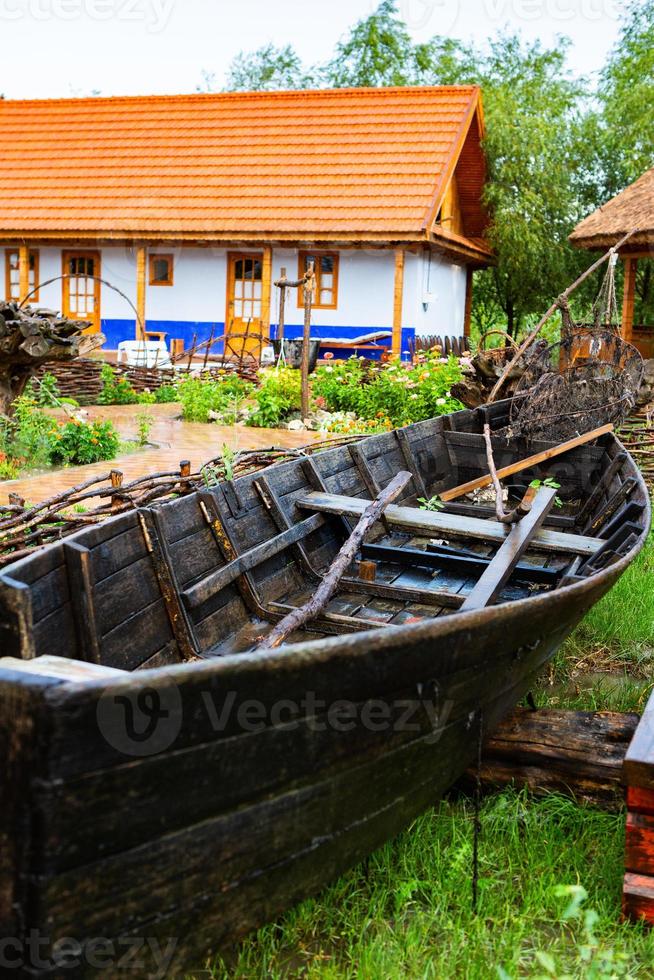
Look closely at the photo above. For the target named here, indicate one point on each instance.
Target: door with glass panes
(244, 309)
(81, 291)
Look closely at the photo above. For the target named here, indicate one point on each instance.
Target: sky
(59, 48)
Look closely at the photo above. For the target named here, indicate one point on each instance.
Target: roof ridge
(232, 96)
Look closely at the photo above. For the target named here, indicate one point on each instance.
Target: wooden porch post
(628, 298)
(23, 271)
(266, 283)
(468, 307)
(141, 265)
(398, 296)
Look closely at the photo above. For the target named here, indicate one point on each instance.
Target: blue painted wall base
(118, 330)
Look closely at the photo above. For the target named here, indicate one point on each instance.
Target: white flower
(413, 396)
(440, 401)
(329, 368)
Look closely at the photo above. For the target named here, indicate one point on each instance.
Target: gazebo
(632, 209)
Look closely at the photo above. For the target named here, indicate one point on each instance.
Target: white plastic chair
(144, 353)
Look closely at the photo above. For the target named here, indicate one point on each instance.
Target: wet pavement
(175, 440)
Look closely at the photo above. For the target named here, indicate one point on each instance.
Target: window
(161, 270)
(326, 269)
(12, 275)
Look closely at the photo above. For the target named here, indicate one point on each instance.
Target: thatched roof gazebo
(632, 208)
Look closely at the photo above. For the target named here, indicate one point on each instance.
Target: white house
(188, 207)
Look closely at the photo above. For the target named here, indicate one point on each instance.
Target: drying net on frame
(589, 378)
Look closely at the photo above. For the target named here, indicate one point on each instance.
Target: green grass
(406, 912)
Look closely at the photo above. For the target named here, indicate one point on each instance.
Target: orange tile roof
(345, 163)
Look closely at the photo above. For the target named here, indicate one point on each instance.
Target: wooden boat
(164, 781)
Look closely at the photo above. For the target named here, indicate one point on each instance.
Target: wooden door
(81, 292)
(244, 303)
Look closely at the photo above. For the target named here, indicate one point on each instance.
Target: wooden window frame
(8, 252)
(301, 265)
(158, 256)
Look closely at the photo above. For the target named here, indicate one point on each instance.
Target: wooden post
(141, 263)
(398, 297)
(23, 272)
(628, 297)
(282, 303)
(266, 283)
(309, 286)
(116, 478)
(468, 307)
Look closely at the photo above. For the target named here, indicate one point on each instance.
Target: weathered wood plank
(431, 522)
(577, 753)
(199, 593)
(500, 569)
(80, 576)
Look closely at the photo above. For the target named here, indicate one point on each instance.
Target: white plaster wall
(442, 285)
(365, 289)
(199, 287)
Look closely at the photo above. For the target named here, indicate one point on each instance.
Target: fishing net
(589, 378)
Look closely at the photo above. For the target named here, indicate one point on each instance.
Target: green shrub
(166, 393)
(279, 396)
(222, 395)
(404, 393)
(27, 435)
(115, 390)
(48, 394)
(77, 442)
(144, 422)
(146, 397)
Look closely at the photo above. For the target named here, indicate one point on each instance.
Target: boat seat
(440, 523)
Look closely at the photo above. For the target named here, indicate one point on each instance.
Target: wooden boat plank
(195, 556)
(198, 593)
(180, 519)
(242, 843)
(115, 596)
(54, 633)
(33, 568)
(76, 746)
(429, 597)
(439, 523)
(82, 600)
(502, 566)
(212, 777)
(61, 667)
(51, 591)
(136, 639)
(169, 654)
(221, 621)
(112, 556)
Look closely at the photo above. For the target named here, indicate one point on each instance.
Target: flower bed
(348, 396)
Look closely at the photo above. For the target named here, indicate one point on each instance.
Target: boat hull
(169, 807)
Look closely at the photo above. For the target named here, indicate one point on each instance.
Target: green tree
(377, 51)
(267, 69)
(534, 154)
(627, 94)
